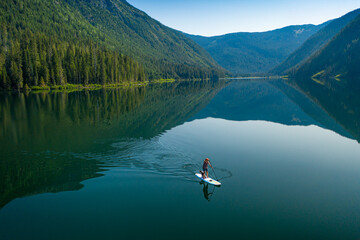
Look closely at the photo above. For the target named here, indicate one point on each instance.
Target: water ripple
(154, 156)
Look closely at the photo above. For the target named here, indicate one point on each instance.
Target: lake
(120, 163)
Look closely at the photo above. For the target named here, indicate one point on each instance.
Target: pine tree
(16, 75)
(102, 76)
(4, 79)
(57, 68)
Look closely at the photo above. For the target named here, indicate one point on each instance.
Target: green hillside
(337, 64)
(255, 53)
(315, 42)
(55, 42)
(145, 39)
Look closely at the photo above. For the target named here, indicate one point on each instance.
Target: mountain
(315, 42)
(255, 53)
(54, 42)
(141, 37)
(337, 64)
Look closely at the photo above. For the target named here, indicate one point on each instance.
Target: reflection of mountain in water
(44, 135)
(273, 101)
(312, 109)
(341, 100)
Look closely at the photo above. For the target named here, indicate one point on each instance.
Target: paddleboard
(208, 180)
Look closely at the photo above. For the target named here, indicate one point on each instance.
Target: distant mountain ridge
(256, 53)
(315, 42)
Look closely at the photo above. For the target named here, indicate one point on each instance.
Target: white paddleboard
(208, 180)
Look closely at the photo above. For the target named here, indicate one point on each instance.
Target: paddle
(215, 174)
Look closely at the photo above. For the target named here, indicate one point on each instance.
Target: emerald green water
(120, 164)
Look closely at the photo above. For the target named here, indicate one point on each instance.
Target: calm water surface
(120, 164)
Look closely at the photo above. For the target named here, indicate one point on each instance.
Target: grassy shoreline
(89, 86)
(80, 87)
(169, 80)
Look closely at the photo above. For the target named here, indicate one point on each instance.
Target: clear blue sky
(216, 17)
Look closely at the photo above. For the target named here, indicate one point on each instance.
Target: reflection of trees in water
(69, 121)
(38, 130)
(42, 117)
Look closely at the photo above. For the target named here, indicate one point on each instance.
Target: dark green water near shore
(120, 163)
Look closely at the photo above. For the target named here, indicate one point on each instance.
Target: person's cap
(206, 159)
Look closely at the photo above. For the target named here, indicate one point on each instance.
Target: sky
(217, 17)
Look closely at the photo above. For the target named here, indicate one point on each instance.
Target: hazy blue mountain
(255, 53)
(315, 42)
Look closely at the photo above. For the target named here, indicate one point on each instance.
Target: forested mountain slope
(255, 53)
(54, 42)
(338, 62)
(315, 42)
(142, 37)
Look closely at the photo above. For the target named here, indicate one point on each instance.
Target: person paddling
(205, 167)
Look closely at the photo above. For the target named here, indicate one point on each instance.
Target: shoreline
(90, 87)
